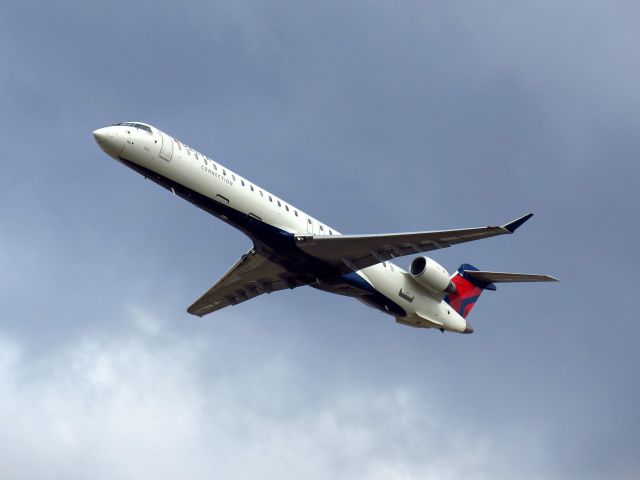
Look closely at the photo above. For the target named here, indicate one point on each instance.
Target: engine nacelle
(432, 275)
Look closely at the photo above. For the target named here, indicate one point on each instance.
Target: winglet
(513, 226)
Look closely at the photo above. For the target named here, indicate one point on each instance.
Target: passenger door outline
(166, 150)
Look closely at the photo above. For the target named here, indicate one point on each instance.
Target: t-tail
(471, 282)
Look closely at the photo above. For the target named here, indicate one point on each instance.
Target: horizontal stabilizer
(505, 277)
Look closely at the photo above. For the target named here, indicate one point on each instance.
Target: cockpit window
(135, 125)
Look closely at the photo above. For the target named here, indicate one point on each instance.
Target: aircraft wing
(251, 276)
(354, 252)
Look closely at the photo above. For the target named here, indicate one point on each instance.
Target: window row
(206, 161)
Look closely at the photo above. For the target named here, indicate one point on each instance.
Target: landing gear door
(166, 151)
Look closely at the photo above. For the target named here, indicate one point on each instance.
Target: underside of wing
(251, 276)
(355, 252)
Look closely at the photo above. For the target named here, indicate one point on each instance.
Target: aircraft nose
(100, 135)
(109, 140)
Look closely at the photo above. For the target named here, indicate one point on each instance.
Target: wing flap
(355, 252)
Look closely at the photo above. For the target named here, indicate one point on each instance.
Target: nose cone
(468, 329)
(109, 140)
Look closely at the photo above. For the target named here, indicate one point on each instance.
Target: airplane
(292, 249)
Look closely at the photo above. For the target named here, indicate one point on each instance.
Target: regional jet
(291, 248)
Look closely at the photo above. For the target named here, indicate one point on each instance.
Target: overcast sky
(374, 117)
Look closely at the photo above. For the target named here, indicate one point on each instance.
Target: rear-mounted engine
(432, 275)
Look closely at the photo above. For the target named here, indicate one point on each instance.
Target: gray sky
(375, 117)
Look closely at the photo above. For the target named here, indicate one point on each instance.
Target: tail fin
(468, 290)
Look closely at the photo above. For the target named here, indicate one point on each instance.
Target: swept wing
(354, 252)
(251, 276)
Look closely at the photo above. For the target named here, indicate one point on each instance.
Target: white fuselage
(155, 152)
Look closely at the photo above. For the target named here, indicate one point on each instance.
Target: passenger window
(261, 194)
(286, 207)
(270, 199)
(330, 232)
(296, 212)
(242, 182)
(196, 154)
(279, 204)
(321, 228)
(233, 177)
(224, 172)
(251, 187)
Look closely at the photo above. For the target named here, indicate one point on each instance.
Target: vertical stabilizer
(468, 290)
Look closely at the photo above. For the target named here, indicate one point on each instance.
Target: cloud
(144, 404)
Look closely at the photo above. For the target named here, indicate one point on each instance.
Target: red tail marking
(465, 297)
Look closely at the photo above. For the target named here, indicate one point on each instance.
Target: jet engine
(432, 275)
